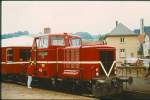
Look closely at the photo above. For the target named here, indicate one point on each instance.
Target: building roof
(22, 41)
(121, 29)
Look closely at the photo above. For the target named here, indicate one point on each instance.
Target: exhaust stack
(141, 26)
(47, 30)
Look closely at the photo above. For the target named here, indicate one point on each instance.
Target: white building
(146, 46)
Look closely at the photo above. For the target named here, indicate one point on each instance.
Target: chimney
(141, 26)
(116, 23)
(47, 30)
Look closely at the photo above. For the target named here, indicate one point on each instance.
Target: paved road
(15, 91)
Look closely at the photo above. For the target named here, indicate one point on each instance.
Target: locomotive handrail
(17, 62)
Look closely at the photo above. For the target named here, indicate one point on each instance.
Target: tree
(15, 34)
(101, 37)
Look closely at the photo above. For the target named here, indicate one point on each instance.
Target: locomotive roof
(57, 34)
(22, 41)
(102, 46)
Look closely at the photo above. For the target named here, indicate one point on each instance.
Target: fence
(134, 71)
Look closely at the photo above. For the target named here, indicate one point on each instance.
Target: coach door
(9, 60)
(9, 55)
(24, 54)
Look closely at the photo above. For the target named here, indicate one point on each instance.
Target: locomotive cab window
(57, 41)
(43, 42)
(9, 55)
(25, 54)
(75, 42)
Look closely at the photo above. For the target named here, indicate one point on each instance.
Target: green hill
(84, 35)
(15, 34)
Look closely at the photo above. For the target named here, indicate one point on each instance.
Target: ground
(139, 85)
(15, 91)
(18, 91)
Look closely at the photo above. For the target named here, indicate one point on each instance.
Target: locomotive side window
(57, 41)
(9, 54)
(75, 42)
(25, 54)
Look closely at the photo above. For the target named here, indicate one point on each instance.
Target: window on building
(122, 40)
(132, 54)
(43, 42)
(75, 42)
(122, 53)
(57, 41)
(25, 54)
(9, 54)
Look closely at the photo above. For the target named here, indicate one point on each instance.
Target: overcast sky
(96, 17)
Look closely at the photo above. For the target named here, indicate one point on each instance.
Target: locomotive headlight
(43, 65)
(97, 74)
(96, 69)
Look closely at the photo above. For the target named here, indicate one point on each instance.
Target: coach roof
(22, 41)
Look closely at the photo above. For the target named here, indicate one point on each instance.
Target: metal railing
(134, 71)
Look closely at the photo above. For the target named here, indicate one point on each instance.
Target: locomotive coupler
(128, 80)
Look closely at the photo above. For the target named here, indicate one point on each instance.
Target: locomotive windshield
(75, 42)
(43, 42)
(57, 41)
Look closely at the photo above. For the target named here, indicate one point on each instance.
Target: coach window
(9, 54)
(43, 42)
(57, 41)
(25, 54)
(75, 42)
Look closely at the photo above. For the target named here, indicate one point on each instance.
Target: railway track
(126, 95)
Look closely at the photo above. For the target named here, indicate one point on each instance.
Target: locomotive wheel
(116, 86)
(130, 80)
(44, 83)
(4, 78)
(106, 87)
(99, 89)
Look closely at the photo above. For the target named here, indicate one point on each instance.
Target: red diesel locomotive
(61, 57)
